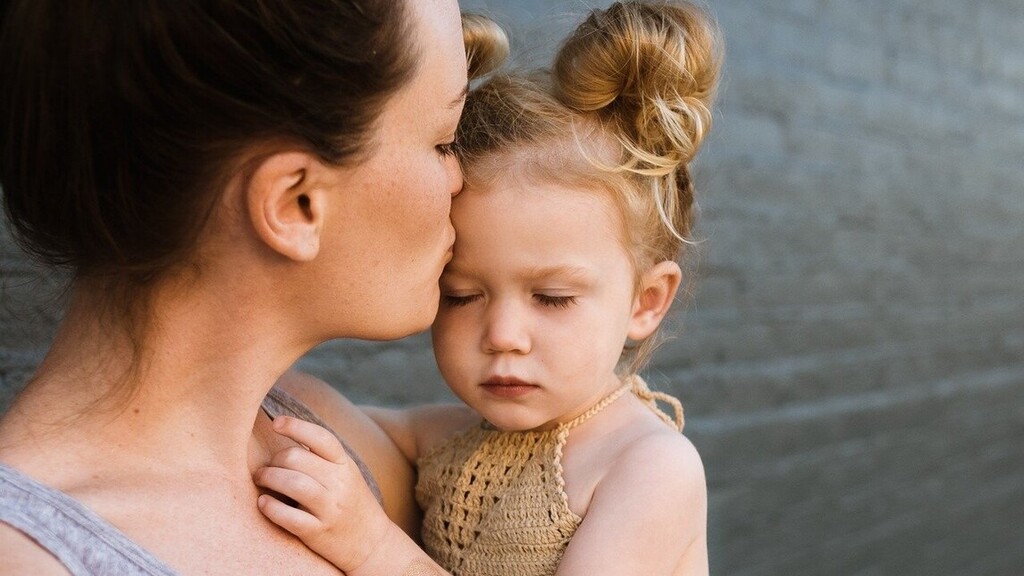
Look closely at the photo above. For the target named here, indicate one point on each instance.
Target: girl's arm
(419, 429)
(318, 494)
(648, 514)
(388, 441)
(391, 469)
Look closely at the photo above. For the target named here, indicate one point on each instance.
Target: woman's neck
(185, 392)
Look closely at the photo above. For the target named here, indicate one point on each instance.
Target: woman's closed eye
(446, 150)
(555, 301)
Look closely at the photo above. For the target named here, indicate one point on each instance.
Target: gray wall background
(852, 361)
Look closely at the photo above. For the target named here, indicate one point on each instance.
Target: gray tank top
(84, 542)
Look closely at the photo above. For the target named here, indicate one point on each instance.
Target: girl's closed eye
(457, 300)
(555, 301)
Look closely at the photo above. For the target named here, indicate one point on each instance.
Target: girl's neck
(185, 393)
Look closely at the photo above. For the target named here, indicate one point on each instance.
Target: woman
(231, 183)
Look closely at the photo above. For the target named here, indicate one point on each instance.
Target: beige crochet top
(495, 503)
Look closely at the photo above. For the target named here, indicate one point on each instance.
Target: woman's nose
(506, 330)
(454, 176)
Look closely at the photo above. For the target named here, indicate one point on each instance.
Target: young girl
(577, 204)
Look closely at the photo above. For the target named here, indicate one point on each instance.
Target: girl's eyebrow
(566, 272)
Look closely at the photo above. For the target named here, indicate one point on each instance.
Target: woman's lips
(451, 245)
(508, 386)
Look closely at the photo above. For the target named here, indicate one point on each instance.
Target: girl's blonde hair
(486, 44)
(623, 110)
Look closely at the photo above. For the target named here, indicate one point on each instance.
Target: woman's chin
(418, 320)
(391, 319)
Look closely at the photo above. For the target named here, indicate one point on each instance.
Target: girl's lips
(508, 386)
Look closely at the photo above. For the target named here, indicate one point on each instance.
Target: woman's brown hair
(121, 118)
(122, 121)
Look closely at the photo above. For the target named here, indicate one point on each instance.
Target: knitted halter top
(494, 502)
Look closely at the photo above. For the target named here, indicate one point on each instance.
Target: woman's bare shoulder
(19, 554)
(323, 399)
(338, 412)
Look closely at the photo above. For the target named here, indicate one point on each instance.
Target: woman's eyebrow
(460, 98)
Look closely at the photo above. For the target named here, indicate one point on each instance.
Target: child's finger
(318, 439)
(300, 487)
(295, 520)
(305, 461)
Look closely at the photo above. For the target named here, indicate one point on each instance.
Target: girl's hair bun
(486, 44)
(652, 69)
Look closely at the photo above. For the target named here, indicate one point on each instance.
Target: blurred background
(852, 358)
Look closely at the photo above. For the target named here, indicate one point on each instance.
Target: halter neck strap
(601, 404)
(637, 385)
(651, 398)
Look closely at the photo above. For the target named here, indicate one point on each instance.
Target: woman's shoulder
(317, 395)
(39, 521)
(333, 409)
(20, 554)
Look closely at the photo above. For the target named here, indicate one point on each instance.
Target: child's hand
(337, 515)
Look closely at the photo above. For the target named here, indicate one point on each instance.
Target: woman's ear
(657, 292)
(284, 205)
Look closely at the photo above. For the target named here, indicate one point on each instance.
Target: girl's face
(536, 303)
(391, 234)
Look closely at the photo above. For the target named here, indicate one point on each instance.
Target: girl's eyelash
(456, 301)
(446, 150)
(543, 299)
(555, 301)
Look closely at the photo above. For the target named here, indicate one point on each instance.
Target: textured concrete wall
(853, 359)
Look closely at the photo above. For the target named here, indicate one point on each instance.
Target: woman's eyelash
(555, 301)
(446, 150)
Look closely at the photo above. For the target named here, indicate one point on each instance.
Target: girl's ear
(657, 292)
(285, 205)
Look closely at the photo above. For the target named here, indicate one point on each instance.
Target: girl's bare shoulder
(633, 449)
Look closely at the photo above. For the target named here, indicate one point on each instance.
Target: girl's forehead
(538, 219)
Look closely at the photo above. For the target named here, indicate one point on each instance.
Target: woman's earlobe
(658, 288)
(284, 207)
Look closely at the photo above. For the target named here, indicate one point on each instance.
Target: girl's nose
(506, 330)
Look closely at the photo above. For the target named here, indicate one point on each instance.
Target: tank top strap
(651, 398)
(82, 541)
